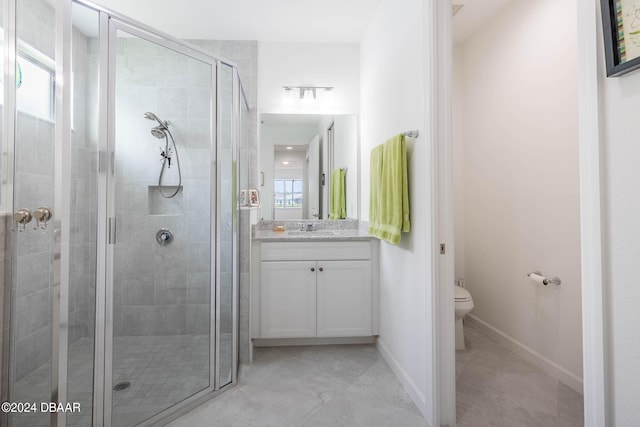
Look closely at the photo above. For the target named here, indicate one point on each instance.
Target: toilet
(463, 305)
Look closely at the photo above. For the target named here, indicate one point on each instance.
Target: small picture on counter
(254, 197)
(242, 199)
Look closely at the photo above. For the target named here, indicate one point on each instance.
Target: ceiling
(291, 148)
(294, 159)
(275, 20)
(311, 21)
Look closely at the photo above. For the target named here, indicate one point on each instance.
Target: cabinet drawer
(278, 251)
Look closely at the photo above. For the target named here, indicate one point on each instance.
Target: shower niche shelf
(157, 204)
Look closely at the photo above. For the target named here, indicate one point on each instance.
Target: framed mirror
(298, 155)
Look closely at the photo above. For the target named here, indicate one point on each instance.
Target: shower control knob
(164, 237)
(22, 216)
(42, 215)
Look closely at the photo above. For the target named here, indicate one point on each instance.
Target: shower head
(159, 132)
(150, 116)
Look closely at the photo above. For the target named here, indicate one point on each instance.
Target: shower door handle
(112, 230)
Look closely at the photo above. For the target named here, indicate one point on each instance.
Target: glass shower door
(53, 285)
(161, 215)
(32, 254)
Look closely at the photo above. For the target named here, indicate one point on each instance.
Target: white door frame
(439, 47)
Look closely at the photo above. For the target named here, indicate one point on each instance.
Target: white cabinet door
(288, 299)
(344, 298)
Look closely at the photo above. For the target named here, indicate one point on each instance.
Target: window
(288, 193)
(35, 82)
(35, 94)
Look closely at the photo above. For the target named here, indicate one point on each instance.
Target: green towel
(389, 192)
(338, 205)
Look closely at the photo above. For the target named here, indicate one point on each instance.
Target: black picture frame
(616, 66)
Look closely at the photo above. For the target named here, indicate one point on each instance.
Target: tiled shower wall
(84, 191)
(190, 316)
(245, 55)
(161, 290)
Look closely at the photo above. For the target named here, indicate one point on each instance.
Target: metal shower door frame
(116, 24)
(110, 23)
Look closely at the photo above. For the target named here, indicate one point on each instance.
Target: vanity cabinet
(343, 292)
(315, 290)
(287, 299)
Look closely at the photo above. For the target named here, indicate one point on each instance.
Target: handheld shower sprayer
(150, 116)
(162, 132)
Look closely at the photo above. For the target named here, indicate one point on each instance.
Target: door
(288, 299)
(162, 222)
(50, 183)
(313, 182)
(34, 282)
(344, 298)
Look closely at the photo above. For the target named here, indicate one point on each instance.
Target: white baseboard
(416, 395)
(286, 342)
(571, 380)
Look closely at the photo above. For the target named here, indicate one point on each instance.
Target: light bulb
(309, 96)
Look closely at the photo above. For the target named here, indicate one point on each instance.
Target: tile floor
(311, 386)
(349, 386)
(353, 386)
(496, 387)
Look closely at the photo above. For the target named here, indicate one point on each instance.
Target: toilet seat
(461, 294)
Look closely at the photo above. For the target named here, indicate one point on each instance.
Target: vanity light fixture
(285, 163)
(289, 148)
(308, 92)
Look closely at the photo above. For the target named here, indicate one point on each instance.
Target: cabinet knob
(313, 269)
(321, 269)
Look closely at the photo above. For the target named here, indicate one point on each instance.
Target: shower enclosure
(119, 183)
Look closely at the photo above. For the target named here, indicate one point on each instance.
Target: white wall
(457, 159)
(621, 237)
(312, 64)
(392, 101)
(521, 189)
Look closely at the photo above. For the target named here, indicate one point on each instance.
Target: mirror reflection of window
(288, 193)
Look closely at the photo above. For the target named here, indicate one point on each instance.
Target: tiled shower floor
(162, 370)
